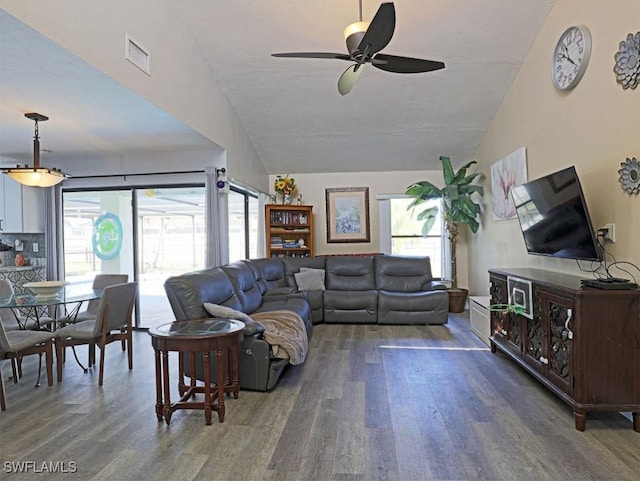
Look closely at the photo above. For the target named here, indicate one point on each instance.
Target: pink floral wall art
(506, 174)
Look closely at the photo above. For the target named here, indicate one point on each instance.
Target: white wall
(595, 127)
(180, 83)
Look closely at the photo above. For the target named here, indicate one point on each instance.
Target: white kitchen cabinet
(21, 207)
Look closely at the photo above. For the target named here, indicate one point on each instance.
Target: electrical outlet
(610, 235)
(36, 247)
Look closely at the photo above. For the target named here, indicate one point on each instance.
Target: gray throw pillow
(216, 310)
(310, 280)
(321, 271)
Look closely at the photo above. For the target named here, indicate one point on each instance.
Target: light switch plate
(36, 247)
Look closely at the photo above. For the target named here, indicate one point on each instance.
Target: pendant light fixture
(36, 176)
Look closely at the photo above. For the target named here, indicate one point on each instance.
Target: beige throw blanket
(286, 333)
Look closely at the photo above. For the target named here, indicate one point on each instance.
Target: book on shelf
(290, 254)
(276, 241)
(285, 217)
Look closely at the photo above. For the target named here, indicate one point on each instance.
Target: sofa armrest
(434, 286)
(253, 328)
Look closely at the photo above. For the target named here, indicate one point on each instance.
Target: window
(401, 233)
(243, 225)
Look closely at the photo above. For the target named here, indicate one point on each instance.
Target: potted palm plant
(458, 208)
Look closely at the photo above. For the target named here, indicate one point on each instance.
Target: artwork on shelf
(506, 174)
(347, 214)
(519, 291)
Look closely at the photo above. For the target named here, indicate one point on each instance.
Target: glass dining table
(38, 312)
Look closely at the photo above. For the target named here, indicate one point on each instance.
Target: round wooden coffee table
(220, 336)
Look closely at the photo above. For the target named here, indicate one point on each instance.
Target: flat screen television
(554, 218)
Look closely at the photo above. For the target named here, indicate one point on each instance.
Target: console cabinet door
(557, 317)
(536, 352)
(498, 293)
(506, 327)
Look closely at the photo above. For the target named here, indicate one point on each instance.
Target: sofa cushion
(268, 273)
(309, 280)
(349, 274)
(244, 284)
(429, 307)
(279, 292)
(216, 310)
(296, 304)
(350, 307)
(402, 274)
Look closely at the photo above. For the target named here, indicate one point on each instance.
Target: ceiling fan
(364, 41)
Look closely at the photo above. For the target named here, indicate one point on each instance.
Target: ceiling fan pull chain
(361, 10)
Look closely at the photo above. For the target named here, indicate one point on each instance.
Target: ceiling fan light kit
(36, 176)
(355, 31)
(364, 41)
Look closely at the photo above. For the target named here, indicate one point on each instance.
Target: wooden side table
(220, 336)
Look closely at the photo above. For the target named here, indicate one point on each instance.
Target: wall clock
(571, 57)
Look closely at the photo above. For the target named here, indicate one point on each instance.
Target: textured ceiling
(290, 108)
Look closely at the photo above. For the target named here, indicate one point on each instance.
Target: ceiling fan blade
(348, 78)
(380, 30)
(393, 63)
(339, 56)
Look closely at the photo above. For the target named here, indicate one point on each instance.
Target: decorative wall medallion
(627, 66)
(107, 236)
(630, 175)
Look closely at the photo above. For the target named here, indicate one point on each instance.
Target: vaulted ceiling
(290, 108)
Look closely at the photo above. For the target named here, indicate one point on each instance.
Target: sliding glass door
(171, 240)
(147, 233)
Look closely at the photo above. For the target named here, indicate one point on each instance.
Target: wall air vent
(137, 55)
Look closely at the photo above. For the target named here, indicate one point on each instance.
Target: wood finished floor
(370, 403)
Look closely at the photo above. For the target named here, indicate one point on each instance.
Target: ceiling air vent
(137, 55)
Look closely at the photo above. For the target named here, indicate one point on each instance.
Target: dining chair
(7, 315)
(12, 321)
(113, 322)
(100, 281)
(18, 343)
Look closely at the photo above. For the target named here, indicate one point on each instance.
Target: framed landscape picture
(348, 214)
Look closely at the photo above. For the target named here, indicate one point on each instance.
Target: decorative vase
(286, 199)
(20, 260)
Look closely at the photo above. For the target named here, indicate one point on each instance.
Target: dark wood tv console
(583, 344)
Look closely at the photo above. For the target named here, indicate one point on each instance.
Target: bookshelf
(286, 226)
